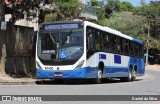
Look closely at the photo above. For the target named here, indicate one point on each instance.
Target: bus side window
(138, 50)
(134, 49)
(89, 41)
(98, 40)
(126, 52)
(113, 44)
(106, 42)
(118, 45)
(121, 44)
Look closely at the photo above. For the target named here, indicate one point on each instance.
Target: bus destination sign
(61, 26)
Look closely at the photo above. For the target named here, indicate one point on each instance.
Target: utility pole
(147, 45)
(1, 10)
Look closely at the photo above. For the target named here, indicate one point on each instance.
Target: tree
(116, 5)
(69, 9)
(151, 12)
(152, 15)
(19, 8)
(125, 6)
(95, 3)
(127, 23)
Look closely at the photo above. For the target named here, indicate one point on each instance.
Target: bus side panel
(91, 69)
(108, 71)
(141, 67)
(106, 59)
(120, 63)
(115, 65)
(118, 66)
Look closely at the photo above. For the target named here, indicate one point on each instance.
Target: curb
(17, 82)
(152, 69)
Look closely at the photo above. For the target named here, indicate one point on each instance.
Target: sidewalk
(153, 67)
(5, 80)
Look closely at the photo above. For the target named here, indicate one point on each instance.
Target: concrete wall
(15, 51)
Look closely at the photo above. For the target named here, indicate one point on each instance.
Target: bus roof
(46, 23)
(113, 31)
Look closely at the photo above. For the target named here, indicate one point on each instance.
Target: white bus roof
(110, 30)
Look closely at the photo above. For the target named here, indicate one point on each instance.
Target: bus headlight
(79, 65)
(38, 66)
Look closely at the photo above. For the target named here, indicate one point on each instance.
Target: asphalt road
(146, 85)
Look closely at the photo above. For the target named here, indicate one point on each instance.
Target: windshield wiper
(53, 40)
(57, 44)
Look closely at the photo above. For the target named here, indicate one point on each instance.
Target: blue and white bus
(85, 50)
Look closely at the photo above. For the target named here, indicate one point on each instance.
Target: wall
(15, 51)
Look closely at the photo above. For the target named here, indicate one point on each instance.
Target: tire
(129, 78)
(98, 80)
(133, 75)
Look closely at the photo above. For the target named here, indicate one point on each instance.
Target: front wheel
(98, 80)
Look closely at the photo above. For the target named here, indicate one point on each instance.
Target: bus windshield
(60, 45)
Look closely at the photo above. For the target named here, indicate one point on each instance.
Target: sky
(137, 2)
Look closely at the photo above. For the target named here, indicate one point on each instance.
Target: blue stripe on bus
(44, 74)
(91, 72)
(117, 59)
(138, 41)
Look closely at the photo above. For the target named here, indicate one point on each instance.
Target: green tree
(117, 6)
(152, 15)
(69, 9)
(95, 3)
(18, 8)
(127, 23)
(125, 6)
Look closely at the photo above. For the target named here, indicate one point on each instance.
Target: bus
(85, 50)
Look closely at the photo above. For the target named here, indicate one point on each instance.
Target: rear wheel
(129, 78)
(133, 75)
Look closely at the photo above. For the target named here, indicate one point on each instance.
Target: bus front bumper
(59, 74)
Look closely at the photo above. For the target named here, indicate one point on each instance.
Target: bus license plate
(58, 74)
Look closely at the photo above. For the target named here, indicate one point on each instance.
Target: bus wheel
(133, 75)
(129, 78)
(98, 80)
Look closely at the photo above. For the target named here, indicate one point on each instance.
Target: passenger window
(113, 44)
(106, 42)
(126, 52)
(98, 40)
(121, 44)
(90, 41)
(118, 45)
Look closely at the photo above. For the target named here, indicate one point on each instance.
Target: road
(146, 85)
